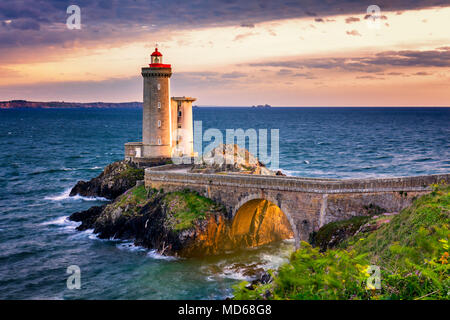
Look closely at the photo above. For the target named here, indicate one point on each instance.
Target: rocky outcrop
(334, 233)
(232, 158)
(117, 178)
(176, 223)
(183, 223)
(87, 217)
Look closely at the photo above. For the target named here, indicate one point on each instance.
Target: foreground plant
(412, 252)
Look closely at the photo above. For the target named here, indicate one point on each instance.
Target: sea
(44, 152)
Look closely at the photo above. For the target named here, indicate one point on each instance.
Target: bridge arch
(252, 200)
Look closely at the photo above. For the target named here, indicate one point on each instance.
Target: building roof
(183, 98)
(156, 53)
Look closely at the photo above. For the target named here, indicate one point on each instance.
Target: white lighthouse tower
(167, 123)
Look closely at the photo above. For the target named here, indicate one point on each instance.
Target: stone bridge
(308, 203)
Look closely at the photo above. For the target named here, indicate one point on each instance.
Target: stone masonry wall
(307, 203)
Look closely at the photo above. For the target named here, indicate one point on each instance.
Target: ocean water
(44, 152)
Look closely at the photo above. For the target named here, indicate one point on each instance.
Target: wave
(66, 196)
(130, 246)
(52, 171)
(65, 170)
(154, 254)
(289, 173)
(62, 222)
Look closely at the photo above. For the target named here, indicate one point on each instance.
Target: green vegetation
(337, 230)
(185, 207)
(131, 173)
(133, 200)
(412, 252)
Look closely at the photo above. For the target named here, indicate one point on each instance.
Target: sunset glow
(321, 60)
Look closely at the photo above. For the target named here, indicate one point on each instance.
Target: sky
(230, 52)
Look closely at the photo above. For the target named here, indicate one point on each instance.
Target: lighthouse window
(159, 123)
(159, 86)
(179, 113)
(159, 105)
(159, 141)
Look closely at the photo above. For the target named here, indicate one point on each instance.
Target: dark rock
(147, 222)
(87, 217)
(117, 178)
(263, 278)
(332, 234)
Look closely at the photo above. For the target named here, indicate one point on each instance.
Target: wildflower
(444, 259)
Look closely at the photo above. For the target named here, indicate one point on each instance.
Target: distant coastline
(13, 104)
(21, 104)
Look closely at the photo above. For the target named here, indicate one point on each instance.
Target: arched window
(159, 141)
(159, 123)
(159, 105)
(159, 86)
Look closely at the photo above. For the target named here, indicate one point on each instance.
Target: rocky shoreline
(174, 223)
(184, 223)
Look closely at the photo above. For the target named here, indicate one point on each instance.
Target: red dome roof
(156, 53)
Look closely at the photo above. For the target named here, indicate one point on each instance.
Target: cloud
(369, 78)
(243, 36)
(423, 73)
(395, 73)
(129, 19)
(247, 25)
(24, 24)
(351, 20)
(233, 75)
(379, 62)
(353, 33)
(306, 75)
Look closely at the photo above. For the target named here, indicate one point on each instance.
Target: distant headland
(13, 104)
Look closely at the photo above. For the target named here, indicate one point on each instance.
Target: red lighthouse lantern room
(156, 60)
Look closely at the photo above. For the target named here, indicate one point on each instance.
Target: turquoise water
(44, 152)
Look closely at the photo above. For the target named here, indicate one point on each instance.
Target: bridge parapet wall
(312, 185)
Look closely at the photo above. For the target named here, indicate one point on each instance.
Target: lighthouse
(167, 123)
(156, 117)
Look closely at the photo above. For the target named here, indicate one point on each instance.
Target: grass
(185, 207)
(412, 253)
(427, 220)
(132, 174)
(132, 200)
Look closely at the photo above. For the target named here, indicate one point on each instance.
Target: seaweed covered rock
(117, 178)
(176, 223)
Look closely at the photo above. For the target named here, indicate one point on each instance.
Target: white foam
(155, 255)
(229, 273)
(62, 221)
(289, 172)
(130, 246)
(66, 196)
